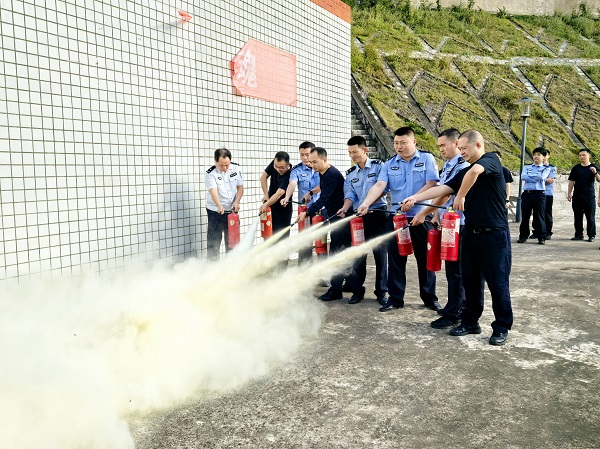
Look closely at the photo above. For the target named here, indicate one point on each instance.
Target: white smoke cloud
(78, 359)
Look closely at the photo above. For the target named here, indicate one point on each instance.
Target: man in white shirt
(225, 187)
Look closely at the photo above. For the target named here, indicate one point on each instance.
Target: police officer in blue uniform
(225, 187)
(549, 199)
(329, 203)
(407, 173)
(307, 180)
(485, 242)
(359, 180)
(448, 145)
(534, 197)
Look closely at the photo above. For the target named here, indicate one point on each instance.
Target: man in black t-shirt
(486, 252)
(581, 180)
(329, 203)
(279, 172)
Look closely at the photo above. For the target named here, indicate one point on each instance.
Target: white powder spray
(77, 360)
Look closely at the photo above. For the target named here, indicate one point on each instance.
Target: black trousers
(340, 239)
(397, 265)
(375, 224)
(548, 214)
(217, 227)
(456, 290)
(282, 218)
(305, 254)
(584, 205)
(533, 201)
(487, 258)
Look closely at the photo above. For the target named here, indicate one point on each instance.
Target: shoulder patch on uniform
(350, 170)
(211, 169)
(551, 165)
(235, 163)
(296, 166)
(424, 151)
(460, 160)
(376, 161)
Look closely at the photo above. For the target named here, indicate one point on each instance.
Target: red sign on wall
(262, 71)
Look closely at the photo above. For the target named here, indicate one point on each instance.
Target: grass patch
(406, 68)
(432, 94)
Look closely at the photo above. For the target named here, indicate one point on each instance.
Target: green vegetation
(457, 89)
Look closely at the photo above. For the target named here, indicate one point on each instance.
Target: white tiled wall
(110, 111)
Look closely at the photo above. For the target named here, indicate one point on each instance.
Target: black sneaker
(591, 239)
(521, 240)
(548, 237)
(498, 338)
(541, 242)
(356, 298)
(331, 295)
(390, 306)
(461, 330)
(445, 322)
(533, 236)
(578, 237)
(382, 299)
(434, 306)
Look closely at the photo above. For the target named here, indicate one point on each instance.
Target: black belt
(530, 191)
(482, 230)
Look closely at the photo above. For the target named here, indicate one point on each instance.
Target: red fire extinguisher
(403, 237)
(302, 225)
(434, 243)
(450, 236)
(320, 243)
(357, 230)
(233, 229)
(266, 225)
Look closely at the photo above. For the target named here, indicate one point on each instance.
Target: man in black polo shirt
(486, 252)
(332, 200)
(581, 179)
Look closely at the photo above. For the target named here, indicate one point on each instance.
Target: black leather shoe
(533, 236)
(445, 322)
(591, 239)
(390, 306)
(434, 306)
(548, 237)
(498, 338)
(521, 240)
(578, 237)
(356, 298)
(541, 242)
(461, 330)
(331, 295)
(382, 299)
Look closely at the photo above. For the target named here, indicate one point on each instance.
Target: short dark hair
(282, 156)
(450, 133)
(306, 144)
(222, 153)
(586, 150)
(405, 131)
(540, 150)
(357, 140)
(547, 152)
(321, 152)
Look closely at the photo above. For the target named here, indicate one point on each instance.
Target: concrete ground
(388, 380)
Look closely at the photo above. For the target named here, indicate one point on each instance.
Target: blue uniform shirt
(307, 179)
(450, 169)
(405, 178)
(535, 177)
(550, 187)
(358, 182)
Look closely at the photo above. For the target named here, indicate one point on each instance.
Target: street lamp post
(525, 104)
